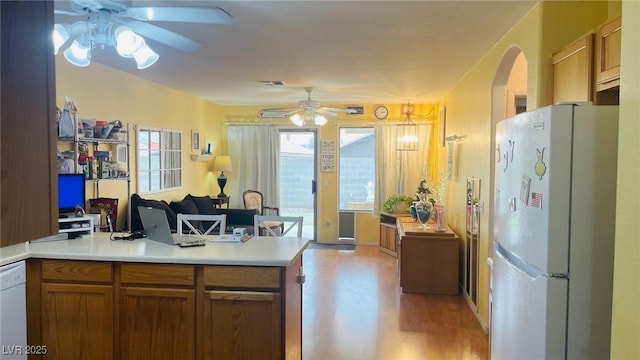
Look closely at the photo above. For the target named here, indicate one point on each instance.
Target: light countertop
(257, 251)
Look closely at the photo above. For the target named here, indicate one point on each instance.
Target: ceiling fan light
(78, 54)
(60, 36)
(145, 57)
(296, 119)
(320, 120)
(127, 42)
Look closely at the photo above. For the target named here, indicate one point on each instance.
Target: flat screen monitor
(71, 192)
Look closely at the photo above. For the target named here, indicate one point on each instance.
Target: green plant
(388, 204)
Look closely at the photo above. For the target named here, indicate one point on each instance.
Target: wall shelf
(201, 157)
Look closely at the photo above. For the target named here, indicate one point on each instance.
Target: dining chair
(253, 199)
(190, 220)
(278, 226)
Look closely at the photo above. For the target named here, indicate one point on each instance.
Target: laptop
(156, 227)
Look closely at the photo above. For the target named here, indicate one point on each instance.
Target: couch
(192, 205)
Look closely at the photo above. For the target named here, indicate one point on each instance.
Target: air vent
(272, 82)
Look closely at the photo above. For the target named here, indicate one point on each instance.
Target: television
(71, 192)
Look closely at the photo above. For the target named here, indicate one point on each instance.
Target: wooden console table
(428, 260)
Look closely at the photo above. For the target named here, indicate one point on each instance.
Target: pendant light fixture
(407, 132)
(98, 32)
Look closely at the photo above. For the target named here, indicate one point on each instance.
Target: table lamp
(222, 163)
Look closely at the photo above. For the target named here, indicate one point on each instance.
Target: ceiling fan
(307, 111)
(112, 23)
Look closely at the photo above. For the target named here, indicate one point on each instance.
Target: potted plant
(397, 204)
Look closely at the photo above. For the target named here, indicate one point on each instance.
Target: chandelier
(98, 32)
(407, 132)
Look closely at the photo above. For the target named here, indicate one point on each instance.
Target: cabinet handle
(302, 278)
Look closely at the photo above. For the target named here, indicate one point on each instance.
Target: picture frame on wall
(443, 126)
(195, 140)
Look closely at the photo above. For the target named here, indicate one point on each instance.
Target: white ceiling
(351, 52)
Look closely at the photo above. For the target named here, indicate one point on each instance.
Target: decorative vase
(412, 211)
(440, 218)
(423, 211)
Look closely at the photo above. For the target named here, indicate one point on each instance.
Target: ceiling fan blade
(207, 15)
(345, 110)
(71, 13)
(162, 35)
(324, 111)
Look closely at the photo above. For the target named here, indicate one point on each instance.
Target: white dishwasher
(13, 311)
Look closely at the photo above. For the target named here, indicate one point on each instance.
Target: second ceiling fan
(308, 111)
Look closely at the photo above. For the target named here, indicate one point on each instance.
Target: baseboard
(474, 309)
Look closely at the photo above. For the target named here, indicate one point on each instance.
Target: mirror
(471, 253)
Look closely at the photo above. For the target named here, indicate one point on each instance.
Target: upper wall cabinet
(608, 45)
(28, 195)
(573, 71)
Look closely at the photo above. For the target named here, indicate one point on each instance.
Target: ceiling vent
(272, 82)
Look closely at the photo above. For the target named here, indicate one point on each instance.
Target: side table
(219, 201)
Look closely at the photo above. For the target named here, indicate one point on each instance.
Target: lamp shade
(222, 163)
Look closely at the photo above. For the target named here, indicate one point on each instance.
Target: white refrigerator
(555, 190)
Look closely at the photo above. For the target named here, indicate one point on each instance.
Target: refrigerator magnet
(525, 185)
(540, 167)
(536, 200)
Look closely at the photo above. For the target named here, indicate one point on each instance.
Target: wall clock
(381, 112)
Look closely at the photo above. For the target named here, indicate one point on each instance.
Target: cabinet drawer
(253, 277)
(77, 271)
(157, 274)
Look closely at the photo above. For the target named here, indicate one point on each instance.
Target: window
(159, 160)
(357, 166)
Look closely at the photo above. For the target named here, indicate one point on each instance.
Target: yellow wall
(626, 284)
(367, 224)
(543, 31)
(103, 93)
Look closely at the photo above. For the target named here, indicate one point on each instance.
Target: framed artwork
(195, 140)
(443, 126)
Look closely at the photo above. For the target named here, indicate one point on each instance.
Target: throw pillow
(186, 206)
(203, 203)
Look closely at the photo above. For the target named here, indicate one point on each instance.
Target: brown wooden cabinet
(157, 312)
(389, 234)
(28, 196)
(105, 310)
(76, 309)
(608, 46)
(573, 71)
(428, 260)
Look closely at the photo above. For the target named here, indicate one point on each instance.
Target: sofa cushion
(203, 203)
(238, 218)
(136, 223)
(186, 206)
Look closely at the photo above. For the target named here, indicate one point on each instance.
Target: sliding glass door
(298, 177)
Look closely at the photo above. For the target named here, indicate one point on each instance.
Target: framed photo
(443, 126)
(195, 140)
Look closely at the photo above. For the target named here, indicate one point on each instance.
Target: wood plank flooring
(353, 308)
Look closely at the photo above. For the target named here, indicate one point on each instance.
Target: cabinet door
(573, 71)
(28, 196)
(242, 325)
(608, 42)
(157, 323)
(388, 239)
(77, 321)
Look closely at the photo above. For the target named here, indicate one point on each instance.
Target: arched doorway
(508, 98)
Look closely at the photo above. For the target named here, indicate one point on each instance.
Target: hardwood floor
(353, 308)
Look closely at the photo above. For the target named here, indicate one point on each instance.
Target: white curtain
(254, 152)
(399, 172)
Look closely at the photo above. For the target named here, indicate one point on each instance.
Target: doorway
(298, 177)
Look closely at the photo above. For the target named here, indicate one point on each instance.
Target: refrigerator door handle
(527, 270)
